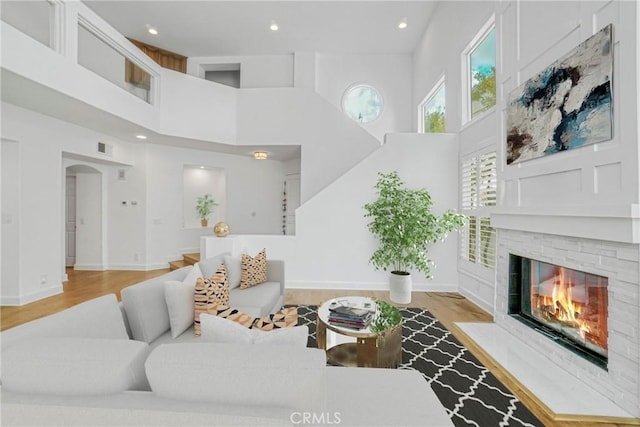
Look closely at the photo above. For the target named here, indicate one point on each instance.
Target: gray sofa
(144, 305)
(80, 367)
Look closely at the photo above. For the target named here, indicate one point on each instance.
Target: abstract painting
(566, 106)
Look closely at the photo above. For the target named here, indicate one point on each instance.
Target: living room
(289, 104)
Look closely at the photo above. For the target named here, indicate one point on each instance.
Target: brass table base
(383, 350)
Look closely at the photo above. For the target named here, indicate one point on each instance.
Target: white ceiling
(227, 28)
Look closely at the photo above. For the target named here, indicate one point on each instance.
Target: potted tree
(204, 207)
(402, 221)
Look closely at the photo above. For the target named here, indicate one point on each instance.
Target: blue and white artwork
(568, 105)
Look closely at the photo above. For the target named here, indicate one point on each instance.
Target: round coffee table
(370, 349)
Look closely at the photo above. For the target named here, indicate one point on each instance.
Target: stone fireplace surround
(620, 382)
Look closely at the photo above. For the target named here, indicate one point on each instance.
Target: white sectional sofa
(104, 363)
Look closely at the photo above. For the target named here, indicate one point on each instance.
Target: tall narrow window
(481, 60)
(432, 110)
(478, 197)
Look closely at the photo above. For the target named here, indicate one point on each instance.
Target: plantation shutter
(488, 179)
(478, 194)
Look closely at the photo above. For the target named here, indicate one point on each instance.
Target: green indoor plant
(387, 316)
(204, 207)
(402, 221)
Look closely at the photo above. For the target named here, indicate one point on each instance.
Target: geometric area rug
(470, 393)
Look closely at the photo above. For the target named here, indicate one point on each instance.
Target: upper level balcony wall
(331, 142)
(179, 104)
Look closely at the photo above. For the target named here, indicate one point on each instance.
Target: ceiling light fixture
(153, 31)
(274, 26)
(260, 155)
(403, 24)
(140, 136)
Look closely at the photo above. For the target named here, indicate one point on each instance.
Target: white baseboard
(137, 267)
(368, 286)
(478, 301)
(34, 296)
(89, 267)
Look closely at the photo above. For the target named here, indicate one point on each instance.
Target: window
(478, 194)
(432, 110)
(481, 71)
(362, 103)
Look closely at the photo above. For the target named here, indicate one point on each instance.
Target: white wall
(144, 233)
(253, 199)
(331, 142)
(198, 181)
(256, 71)
(10, 249)
(390, 74)
(332, 245)
(531, 35)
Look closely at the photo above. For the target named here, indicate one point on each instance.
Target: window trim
(353, 86)
(440, 83)
(466, 71)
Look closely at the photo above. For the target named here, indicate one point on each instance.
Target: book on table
(350, 317)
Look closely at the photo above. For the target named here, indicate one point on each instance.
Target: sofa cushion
(209, 266)
(75, 366)
(258, 300)
(179, 298)
(245, 374)
(233, 270)
(219, 329)
(253, 270)
(146, 305)
(97, 318)
(209, 293)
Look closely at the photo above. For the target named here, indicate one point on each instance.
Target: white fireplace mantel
(612, 223)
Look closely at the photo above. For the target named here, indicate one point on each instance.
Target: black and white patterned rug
(471, 395)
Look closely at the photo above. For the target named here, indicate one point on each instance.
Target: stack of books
(350, 317)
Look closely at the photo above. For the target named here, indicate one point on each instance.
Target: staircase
(187, 259)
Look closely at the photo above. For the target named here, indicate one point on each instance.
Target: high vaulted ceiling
(226, 28)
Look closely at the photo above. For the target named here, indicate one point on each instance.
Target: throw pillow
(226, 312)
(284, 318)
(296, 336)
(219, 329)
(209, 293)
(233, 265)
(253, 269)
(222, 330)
(179, 298)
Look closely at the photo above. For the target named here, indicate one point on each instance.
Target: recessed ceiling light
(153, 31)
(403, 24)
(274, 26)
(260, 155)
(140, 136)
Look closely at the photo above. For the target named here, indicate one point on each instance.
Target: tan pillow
(253, 269)
(285, 318)
(209, 293)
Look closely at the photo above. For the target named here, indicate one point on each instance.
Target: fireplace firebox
(567, 305)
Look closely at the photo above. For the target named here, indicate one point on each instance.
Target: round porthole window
(362, 103)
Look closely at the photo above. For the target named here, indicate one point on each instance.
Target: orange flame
(562, 305)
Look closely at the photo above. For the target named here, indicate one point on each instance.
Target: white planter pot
(400, 288)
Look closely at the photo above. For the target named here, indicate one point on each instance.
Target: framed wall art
(566, 106)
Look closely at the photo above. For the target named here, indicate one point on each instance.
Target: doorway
(83, 219)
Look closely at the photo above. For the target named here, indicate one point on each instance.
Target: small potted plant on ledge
(402, 221)
(204, 207)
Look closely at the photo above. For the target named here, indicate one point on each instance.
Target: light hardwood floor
(447, 307)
